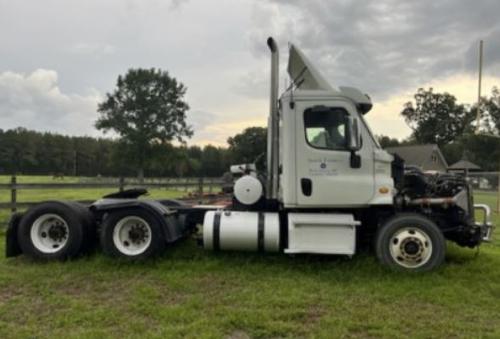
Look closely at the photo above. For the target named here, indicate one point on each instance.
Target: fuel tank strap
(260, 232)
(216, 228)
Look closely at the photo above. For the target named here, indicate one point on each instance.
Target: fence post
(200, 186)
(498, 194)
(121, 184)
(13, 194)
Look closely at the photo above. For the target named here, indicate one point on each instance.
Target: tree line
(29, 152)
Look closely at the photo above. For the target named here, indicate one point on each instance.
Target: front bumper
(485, 225)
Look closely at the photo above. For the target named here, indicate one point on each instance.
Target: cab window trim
(346, 136)
(369, 131)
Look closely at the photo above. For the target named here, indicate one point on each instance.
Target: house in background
(464, 166)
(426, 157)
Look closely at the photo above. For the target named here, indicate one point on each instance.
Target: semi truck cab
(328, 156)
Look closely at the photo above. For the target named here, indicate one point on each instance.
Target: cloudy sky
(59, 58)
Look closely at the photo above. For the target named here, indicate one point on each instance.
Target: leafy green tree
(436, 117)
(146, 109)
(17, 151)
(249, 145)
(212, 161)
(483, 150)
(453, 151)
(386, 141)
(186, 166)
(491, 112)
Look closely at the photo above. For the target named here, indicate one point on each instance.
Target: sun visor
(302, 71)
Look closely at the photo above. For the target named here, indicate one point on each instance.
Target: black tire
(157, 240)
(421, 251)
(90, 238)
(74, 234)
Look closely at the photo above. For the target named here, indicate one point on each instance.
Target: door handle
(306, 185)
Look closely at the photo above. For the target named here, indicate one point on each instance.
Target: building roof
(464, 164)
(417, 155)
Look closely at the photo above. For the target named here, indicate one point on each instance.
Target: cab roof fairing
(304, 75)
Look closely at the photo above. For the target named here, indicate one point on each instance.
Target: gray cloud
(386, 46)
(35, 101)
(176, 4)
(218, 51)
(253, 84)
(200, 122)
(93, 50)
(491, 53)
(89, 43)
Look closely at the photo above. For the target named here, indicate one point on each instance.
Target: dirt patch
(119, 291)
(238, 334)
(360, 332)
(95, 290)
(314, 314)
(214, 284)
(8, 293)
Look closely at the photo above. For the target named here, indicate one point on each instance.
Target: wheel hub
(411, 247)
(138, 233)
(57, 232)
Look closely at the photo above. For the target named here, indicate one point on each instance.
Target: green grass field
(192, 293)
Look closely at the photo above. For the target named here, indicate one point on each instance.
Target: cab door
(326, 176)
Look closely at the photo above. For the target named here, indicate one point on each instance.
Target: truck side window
(325, 127)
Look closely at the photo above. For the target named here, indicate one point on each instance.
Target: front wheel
(132, 235)
(410, 242)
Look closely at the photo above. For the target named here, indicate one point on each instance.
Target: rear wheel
(132, 235)
(49, 233)
(410, 242)
(52, 230)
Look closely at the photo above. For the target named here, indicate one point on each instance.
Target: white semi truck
(327, 187)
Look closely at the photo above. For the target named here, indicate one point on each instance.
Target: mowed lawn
(192, 293)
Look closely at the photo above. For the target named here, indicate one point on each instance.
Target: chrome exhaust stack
(273, 125)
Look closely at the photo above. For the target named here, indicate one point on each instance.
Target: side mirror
(354, 142)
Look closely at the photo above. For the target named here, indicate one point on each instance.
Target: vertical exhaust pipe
(273, 125)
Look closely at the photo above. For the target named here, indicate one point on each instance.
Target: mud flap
(12, 248)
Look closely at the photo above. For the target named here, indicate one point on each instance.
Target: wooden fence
(198, 185)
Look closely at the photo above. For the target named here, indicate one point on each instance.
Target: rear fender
(173, 224)
(12, 248)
